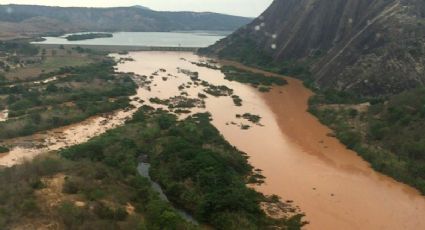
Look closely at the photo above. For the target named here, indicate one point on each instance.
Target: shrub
(71, 186)
(4, 149)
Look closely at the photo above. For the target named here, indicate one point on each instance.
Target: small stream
(143, 170)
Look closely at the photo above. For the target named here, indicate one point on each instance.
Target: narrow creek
(143, 170)
(333, 186)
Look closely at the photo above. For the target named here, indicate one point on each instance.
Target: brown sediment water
(333, 186)
(26, 148)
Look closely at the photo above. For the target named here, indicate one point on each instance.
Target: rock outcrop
(369, 47)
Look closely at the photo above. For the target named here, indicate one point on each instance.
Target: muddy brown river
(333, 186)
(26, 148)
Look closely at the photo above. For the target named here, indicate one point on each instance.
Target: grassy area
(52, 63)
(49, 60)
(44, 88)
(76, 94)
(21, 61)
(389, 134)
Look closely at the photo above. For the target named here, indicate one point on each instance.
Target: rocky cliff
(369, 47)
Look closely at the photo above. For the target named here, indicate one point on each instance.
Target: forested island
(79, 37)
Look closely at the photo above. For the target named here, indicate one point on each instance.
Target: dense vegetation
(245, 51)
(218, 90)
(79, 37)
(179, 102)
(95, 185)
(19, 48)
(3, 149)
(255, 79)
(389, 135)
(73, 94)
(241, 49)
(237, 100)
(199, 171)
(250, 117)
(92, 195)
(11, 53)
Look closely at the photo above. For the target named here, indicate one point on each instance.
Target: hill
(141, 7)
(28, 20)
(369, 48)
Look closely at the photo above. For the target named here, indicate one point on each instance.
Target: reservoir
(161, 39)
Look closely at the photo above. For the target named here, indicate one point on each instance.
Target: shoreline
(334, 186)
(121, 48)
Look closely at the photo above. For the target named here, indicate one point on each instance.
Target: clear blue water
(167, 39)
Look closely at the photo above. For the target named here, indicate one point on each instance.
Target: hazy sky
(250, 8)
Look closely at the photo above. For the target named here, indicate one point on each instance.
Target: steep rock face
(370, 47)
(41, 19)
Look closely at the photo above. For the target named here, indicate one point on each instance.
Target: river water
(26, 148)
(333, 186)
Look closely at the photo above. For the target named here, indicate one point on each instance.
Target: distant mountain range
(28, 20)
(367, 47)
(142, 7)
